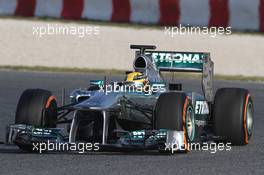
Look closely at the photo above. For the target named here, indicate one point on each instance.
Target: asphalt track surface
(240, 160)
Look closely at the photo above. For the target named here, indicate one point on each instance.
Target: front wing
(25, 136)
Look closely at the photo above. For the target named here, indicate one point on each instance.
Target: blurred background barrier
(239, 14)
(107, 46)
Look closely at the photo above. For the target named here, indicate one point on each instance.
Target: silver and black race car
(142, 112)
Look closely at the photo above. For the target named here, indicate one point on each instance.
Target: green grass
(121, 72)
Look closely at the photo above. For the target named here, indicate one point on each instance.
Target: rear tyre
(174, 111)
(37, 107)
(233, 115)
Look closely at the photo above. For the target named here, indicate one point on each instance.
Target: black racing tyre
(174, 111)
(37, 107)
(233, 113)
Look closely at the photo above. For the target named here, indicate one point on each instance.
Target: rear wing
(186, 62)
(200, 62)
(178, 61)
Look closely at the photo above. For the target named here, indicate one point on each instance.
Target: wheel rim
(190, 125)
(249, 119)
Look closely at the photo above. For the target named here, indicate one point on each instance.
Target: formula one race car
(140, 113)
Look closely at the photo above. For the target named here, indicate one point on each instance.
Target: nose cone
(100, 101)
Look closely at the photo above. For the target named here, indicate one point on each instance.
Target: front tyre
(174, 111)
(37, 107)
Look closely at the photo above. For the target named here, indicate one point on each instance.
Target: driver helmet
(138, 78)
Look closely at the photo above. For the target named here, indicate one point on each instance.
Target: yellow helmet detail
(136, 77)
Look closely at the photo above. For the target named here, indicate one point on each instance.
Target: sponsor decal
(177, 57)
(200, 122)
(178, 60)
(201, 107)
